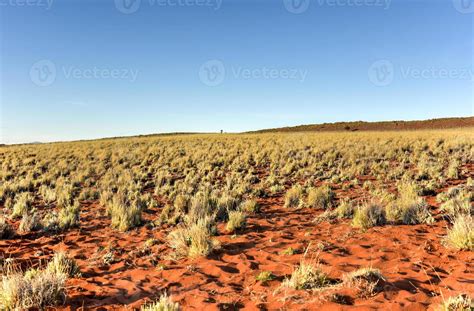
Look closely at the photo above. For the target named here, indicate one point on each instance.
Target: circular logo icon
(381, 73)
(127, 6)
(296, 6)
(464, 6)
(43, 73)
(212, 72)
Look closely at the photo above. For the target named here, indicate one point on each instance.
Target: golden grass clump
(408, 208)
(321, 197)
(34, 289)
(293, 197)
(461, 302)
(307, 275)
(61, 263)
(165, 303)
(124, 214)
(369, 215)
(237, 220)
(461, 235)
(193, 240)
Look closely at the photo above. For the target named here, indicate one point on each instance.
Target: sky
(86, 69)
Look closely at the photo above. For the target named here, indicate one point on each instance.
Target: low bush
(35, 289)
(30, 221)
(321, 198)
(124, 215)
(236, 221)
(165, 303)
(460, 302)
(306, 276)
(265, 276)
(369, 215)
(22, 205)
(461, 235)
(61, 263)
(250, 206)
(293, 197)
(345, 209)
(193, 240)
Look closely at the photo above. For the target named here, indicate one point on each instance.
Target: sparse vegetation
(236, 221)
(460, 302)
(293, 197)
(193, 240)
(33, 289)
(62, 264)
(197, 190)
(265, 276)
(366, 280)
(307, 275)
(321, 197)
(369, 215)
(165, 303)
(461, 234)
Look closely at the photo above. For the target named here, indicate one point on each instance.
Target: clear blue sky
(130, 67)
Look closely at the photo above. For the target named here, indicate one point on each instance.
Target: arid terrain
(275, 221)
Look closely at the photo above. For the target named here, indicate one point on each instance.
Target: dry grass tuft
(35, 289)
(165, 303)
(461, 235)
(366, 280)
(369, 215)
(307, 275)
(193, 240)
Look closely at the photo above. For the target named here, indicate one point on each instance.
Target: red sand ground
(417, 267)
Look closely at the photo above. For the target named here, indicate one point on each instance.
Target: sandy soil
(419, 269)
